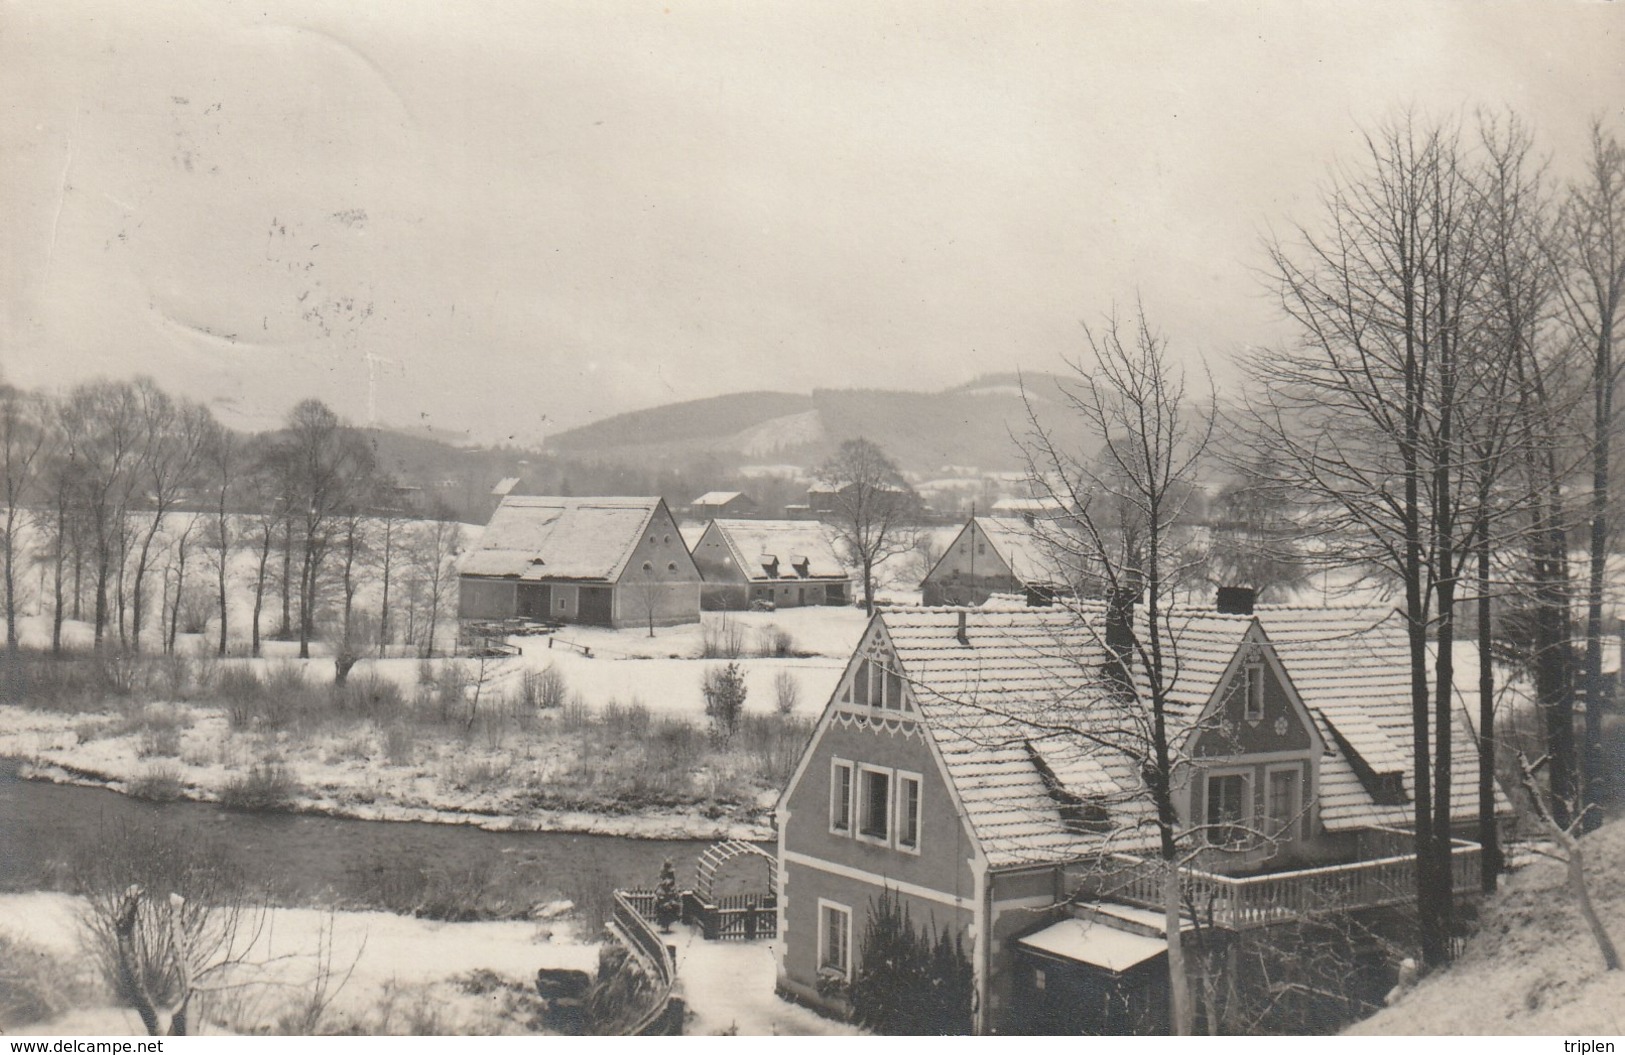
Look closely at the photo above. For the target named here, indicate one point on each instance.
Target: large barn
(604, 561)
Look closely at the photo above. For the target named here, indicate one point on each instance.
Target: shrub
(786, 691)
(908, 984)
(724, 691)
(400, 744)
(35, 985)
(160, 782)
(266, 786)
(239, 688)
(722, 638)
(372, 696)
(161, 729)
(774, 642)
(542, 690)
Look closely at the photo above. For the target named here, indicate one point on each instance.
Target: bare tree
(1591, 252)
(1573, 858)
(1372, 417)
(1133, 402)
(172, 439)
(432, 553)
(25, 434)
(223, 460)
(873, 508)
(330, 468)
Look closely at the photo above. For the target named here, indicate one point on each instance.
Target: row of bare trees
(132, 503)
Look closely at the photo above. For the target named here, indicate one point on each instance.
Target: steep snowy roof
(538, 538)
(1034, 551)
(795, 550)
(1022, 705)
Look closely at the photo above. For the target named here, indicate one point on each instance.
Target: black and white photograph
(604, 518)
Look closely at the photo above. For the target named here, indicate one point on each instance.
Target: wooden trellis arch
(718, 854)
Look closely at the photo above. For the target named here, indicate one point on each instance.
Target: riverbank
(361, 770)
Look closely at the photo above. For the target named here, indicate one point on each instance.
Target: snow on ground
(397, 961)
(1532, 967)
(729, 986)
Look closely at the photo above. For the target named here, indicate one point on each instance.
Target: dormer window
(1254, 707)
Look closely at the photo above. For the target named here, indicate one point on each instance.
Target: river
(47, 830)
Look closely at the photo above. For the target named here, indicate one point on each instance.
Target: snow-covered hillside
(1532, 968)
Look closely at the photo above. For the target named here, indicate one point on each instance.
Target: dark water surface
(47, 829)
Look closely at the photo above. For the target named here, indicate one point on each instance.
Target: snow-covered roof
(1352, 668)
(782, 550)
(716, 498)
(538, 538)
(504, 486)
(1034, 549)
(1091, 941)
(1023, 705)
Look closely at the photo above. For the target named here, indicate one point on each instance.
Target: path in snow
(729, 985)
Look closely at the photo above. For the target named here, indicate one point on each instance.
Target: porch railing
(1241, 902)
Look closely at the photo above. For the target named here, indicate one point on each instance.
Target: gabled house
(965, 762)
(604, 561)
(715, 504)
(789, 563)
(994, 554)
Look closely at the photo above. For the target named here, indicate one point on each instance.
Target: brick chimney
(1120, 603)
(1236, 600)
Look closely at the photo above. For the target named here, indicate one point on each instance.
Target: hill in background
(969, 425)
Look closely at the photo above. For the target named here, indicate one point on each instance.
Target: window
(1283, 802)
(1255, 692)
(860, 684)
(874, 804)
(834, 938)
(671, 566)
(647, 566)
(1226, 807)
(908, 811)
(892, 699)
(840, 797)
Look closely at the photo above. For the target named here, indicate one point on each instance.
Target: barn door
(595, 605)
(535, 600)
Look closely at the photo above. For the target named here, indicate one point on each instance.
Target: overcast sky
(530, 215)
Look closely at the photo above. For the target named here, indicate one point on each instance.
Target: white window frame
(1246, 819)
(844, 970)
(836, 765)
(900, 806)
(1253, 686)
(862, 797)
(1293, 823)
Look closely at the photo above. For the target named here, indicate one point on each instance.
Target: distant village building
(504, 487)
(715, 504)
(825, 500)
(999, 555)
(966, 765)
(604, 561)
(790, 563)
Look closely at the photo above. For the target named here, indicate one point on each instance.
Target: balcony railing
(1241, 902)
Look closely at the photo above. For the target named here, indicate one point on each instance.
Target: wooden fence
(1238, 903)
(637, 934)
(736, 917)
